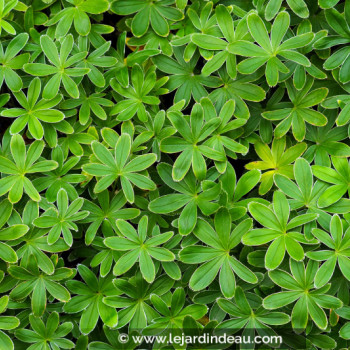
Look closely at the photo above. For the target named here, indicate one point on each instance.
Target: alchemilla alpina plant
(174, 167)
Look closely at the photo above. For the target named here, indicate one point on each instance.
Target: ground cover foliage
(174, 166)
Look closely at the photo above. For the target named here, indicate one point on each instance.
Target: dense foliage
(174, 166)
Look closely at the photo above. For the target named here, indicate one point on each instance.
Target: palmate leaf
(279, 230)
(11, 61)
(240, 90)
(338, 177)
(191, 196)
(304, 192)
(301, 112)
(270, 48)
(244, 316)
(191, 143)
(5, 11)
(139, 97)
(60, 68)
(24, 162)
(61, 177)
(216, 255)
(139, 248)
(89, 299)
(328, 141)
(61, 220)
(106, 212)
(35, 241)
(52, 332)
(146, 14)
(276, 160)
(207, 41)
(339, 24)
(337, 242)
(204, 23)
(77, 14)
(310, 303)
(37, 284)
(172, 318)
(33, 111)
(183, 77)
(112, 167)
